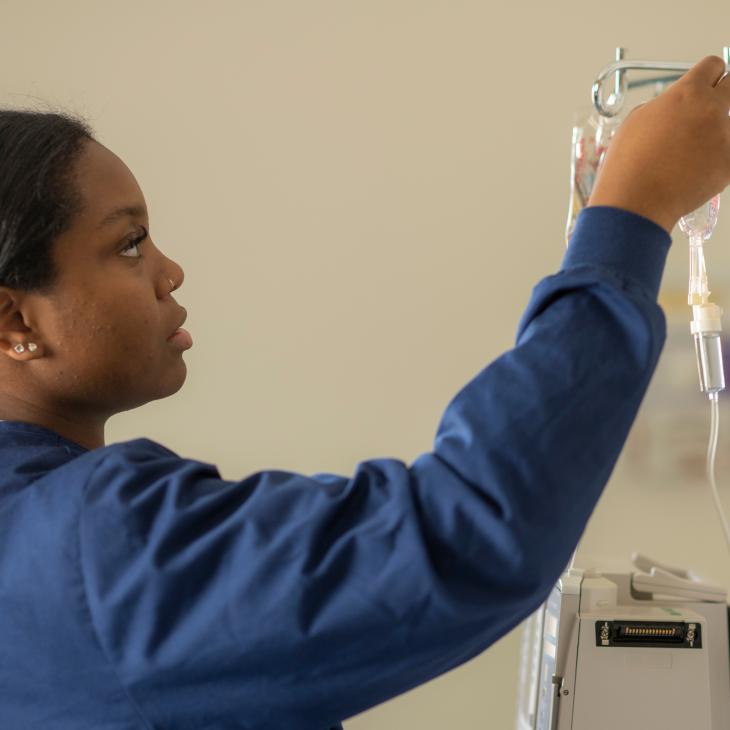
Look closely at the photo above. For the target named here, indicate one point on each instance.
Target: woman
(138, 589)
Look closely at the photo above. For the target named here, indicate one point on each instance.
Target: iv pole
(619, 69)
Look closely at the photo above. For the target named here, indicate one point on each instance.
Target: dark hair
(38, 195)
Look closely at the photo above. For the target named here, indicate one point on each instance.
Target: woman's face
(102, 332)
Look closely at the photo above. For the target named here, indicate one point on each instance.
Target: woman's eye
(134, 243)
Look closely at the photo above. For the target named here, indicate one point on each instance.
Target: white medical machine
(646, 648)
(630, 650)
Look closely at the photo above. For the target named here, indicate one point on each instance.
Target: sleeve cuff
(627, 243)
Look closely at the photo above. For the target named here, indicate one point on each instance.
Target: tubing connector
(699, 292)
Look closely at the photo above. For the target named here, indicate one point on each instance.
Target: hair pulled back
(38, 195)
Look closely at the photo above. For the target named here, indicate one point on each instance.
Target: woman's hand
(671, 154)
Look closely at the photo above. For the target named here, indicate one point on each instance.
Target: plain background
(362, 195)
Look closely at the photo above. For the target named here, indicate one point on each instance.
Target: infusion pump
(637, 650)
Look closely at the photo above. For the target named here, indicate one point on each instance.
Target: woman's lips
(181, 338)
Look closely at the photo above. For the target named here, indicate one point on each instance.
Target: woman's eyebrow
(134, 211)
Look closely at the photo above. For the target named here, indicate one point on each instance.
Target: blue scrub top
(140, 590)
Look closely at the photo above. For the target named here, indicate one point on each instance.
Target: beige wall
(362, 195)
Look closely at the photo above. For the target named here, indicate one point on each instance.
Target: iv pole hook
(619, 68)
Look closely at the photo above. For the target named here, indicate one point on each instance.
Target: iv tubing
(572, 559)
(711, 452)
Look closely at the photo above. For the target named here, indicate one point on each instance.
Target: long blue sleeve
(290, 601)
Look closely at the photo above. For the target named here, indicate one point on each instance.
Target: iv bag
(592, 133)
(701, 222)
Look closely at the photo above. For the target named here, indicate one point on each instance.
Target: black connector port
(677, 634)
